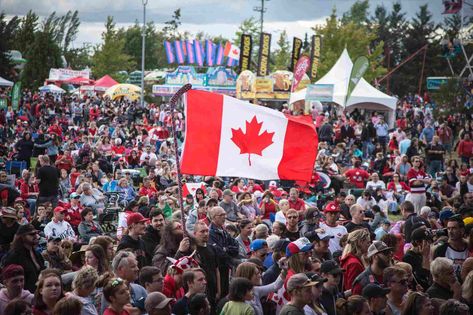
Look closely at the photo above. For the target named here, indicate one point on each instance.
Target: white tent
(364, 96)
(5, 82)
(51, 88)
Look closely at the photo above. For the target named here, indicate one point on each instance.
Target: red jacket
(353, 267)
(465, 148)
(169, 288)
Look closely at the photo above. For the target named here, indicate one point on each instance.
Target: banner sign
(319, 92)
(15, 96)
(246, 47)
(263, 56)
(300, 69)
(64, 74)
(315, 56)
(434, 83)
(296, 51)
(360, 66)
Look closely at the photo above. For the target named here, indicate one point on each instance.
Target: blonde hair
(353, 242)
(467, 288)
(86, 277)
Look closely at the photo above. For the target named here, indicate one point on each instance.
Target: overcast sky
(215, 17)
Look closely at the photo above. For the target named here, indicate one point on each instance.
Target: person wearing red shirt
(55, 129)
(73, 209)
(118, 148)
(252, 186)
(465, 148)
(147, 189)
(357, 176)
(65, 161)
(268, 206)
(94, 113)
(296, 203)
(417, 180)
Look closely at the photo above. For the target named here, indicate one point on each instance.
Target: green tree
(422, 30)
(43, 54)
(172, 26)
(25, 35)
(356, 38)
(133, 42)
(7, 34)
(282, 55)
(109, 57)
(79, 58)
(358, 13)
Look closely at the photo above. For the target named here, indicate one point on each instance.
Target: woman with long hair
(48, 292)
(248, 206)
(418, 303)
(354, 305)
(172, 235)
(106, 242)
(95, 257)
(353, 254)
(252, 272)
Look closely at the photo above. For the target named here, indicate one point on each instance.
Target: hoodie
(4, 299)
(353, 267)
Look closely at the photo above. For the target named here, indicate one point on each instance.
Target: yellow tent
(129, 91)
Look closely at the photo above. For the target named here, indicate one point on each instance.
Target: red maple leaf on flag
(252, 142)
(235, 51)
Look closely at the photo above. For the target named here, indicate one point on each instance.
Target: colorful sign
(183, 75)
(263, 56)
(319, 92)
(315, 56)
(246, 47)
(64, 74)
(434, 83)
(296, 51)
(220, 77)
(299, 71)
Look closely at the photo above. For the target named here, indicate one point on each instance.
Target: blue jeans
(367, 148)
(434, 166)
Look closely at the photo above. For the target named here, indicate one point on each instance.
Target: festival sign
(315, 56)
(301, 68)
(245, 85)
(221, 76)
(245, 52)
(64, 74)
(15, 96)
(183, 75)
(360, 66)
(263, 56)
(319, 92)
(296, 51)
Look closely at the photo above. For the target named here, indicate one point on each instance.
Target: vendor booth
(333, 88)
(216, 79)
(101, 85)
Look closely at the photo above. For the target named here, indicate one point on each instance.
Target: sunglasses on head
(116, 282)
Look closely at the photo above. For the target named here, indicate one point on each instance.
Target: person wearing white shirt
(375, 183)
(330, 227)
(58, 227)
(147, 154)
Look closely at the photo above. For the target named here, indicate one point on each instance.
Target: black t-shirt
(49, 176)
(138, 248)
(350, 226)
(209, 261)
(182, 306)
(292, 236)
(435, 156)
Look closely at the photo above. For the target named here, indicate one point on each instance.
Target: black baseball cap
(373, 290)
(331, 267)
(420, 234)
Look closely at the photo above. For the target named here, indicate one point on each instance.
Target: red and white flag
(231, 51)
(191, 188)
(229, 137)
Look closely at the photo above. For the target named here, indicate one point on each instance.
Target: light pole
(143, 40)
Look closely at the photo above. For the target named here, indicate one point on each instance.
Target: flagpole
(174, 99)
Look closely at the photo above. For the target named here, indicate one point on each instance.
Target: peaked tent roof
(364, 93)
(105, 82)
(5, 82)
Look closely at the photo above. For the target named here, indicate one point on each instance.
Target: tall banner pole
(174, 99)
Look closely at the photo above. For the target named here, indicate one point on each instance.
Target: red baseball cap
(59, 209)
(331, 207)
(134, 218)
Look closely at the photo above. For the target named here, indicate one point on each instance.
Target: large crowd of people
(91, 221)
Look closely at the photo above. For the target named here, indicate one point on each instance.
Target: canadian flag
(231, 51)
(191, 188)
(229, 137)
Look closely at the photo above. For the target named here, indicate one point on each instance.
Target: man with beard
(133, 241)
(152, 235)
(8, 227)
(209, 262)
(321, 246)
(397, 280)
(225, 245)
(173, 244)
(379, 256)
(24, 254)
